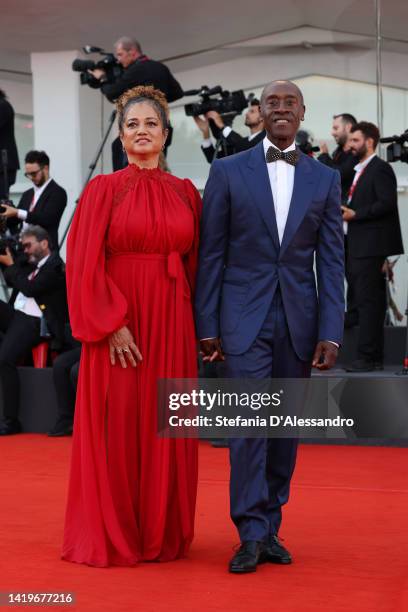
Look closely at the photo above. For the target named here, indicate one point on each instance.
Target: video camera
(108, 63)
(228, 104)
(397, 150)
(305, 143)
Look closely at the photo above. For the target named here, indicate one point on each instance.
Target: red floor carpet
(346, 526)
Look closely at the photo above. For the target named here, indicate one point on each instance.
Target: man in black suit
(138, 70)
(231, 141)
(373, 233)
(7, 143)
(43, 204)
(37, 308)
(344, 161)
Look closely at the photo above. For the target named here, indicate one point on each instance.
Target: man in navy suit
(268, 214)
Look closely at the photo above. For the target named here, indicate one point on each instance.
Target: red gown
(131, 260)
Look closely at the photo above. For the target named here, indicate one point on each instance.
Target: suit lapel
(370, 168)
(303, 188)
(44, 194)
(260, 189)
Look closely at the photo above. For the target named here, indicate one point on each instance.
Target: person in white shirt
(37, 308)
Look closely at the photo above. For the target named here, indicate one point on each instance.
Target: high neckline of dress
(149, 171)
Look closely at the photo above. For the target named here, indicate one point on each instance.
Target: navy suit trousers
(261, 469)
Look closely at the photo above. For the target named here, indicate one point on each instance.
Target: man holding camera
(37, 308)
(138, 69)
(232, 142)
(41, 205)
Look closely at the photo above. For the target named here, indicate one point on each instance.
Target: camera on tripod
(226, 103)
(398, 149)
(109, 64)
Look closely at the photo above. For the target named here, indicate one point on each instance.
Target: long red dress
(131, 260)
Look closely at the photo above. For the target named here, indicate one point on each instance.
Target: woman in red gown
(131, 263)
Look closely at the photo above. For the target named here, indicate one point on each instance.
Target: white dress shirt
(38, 191)
(281, 178)
(28, 305)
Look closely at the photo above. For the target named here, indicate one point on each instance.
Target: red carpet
(346, 526)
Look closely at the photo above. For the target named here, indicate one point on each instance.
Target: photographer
(37, 309)
(232, 142)
(138, 69)
(43, 204)
(8, 144)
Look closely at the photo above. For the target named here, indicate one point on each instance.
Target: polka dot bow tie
(291, 157)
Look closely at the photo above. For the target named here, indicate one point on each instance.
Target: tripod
(220, 144)
(4, 165)
(3, 222)
(404, 371)
(92, 167)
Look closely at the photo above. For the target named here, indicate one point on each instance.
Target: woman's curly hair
(143, 93)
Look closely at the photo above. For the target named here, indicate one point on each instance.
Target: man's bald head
(279, 83)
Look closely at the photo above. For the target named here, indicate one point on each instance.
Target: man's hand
(216, 117)
(325, 355)
(323, 148)
(7, 259)
(98, 73)
(203, 125)
(348, 213)
(211, 350)
(7, 212)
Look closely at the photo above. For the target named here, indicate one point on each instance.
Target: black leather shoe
(8, 427)
(276, 553)
(361, 365)
(59, 432)
(247, 557)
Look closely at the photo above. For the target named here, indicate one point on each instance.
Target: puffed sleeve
(96, 306)
(191, 258)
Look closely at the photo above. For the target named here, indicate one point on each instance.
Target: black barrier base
(38, 404)
(394, 345)
(38, 400)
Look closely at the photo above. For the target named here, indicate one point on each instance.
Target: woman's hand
(122, 345)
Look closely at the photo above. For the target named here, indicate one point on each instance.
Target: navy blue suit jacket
(241, 261)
